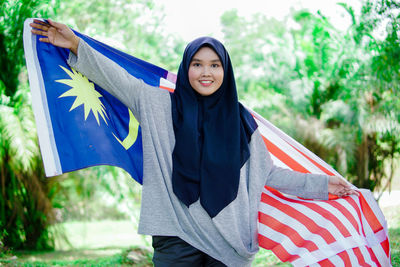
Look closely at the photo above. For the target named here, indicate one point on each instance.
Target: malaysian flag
(349, 231)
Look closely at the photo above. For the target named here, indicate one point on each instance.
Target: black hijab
(212, 136)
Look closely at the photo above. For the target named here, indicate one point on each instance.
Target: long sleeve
(295, 183)
(305, 185)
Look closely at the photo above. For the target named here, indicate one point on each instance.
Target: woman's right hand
(56, 33)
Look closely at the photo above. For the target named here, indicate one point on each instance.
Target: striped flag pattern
(349, 231)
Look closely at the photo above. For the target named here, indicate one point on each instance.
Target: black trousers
(171, 251)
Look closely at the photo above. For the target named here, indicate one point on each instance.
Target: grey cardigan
(231, 236)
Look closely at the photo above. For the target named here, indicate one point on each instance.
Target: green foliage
(336, 92)
(133, 26)
(98, 193)
(25, 202)
(30, 202)
(12, 16)
(115, 260)
(267, 258)
(4, 250)
(133, 256)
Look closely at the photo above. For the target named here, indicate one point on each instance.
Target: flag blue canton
(81, 141)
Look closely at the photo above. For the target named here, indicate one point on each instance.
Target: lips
(205, 83)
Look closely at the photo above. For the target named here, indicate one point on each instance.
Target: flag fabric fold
(80, 125)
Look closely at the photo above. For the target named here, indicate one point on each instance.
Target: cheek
(220, 76)
(192, 76)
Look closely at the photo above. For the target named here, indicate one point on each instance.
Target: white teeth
(206, 81)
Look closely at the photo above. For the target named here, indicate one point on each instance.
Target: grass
(98, 243)
(115, 243)
(142, 258)
(100, 234)
(392, 215)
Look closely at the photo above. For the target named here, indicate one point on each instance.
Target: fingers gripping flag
(80, 125)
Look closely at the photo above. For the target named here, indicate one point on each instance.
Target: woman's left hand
(340, 187)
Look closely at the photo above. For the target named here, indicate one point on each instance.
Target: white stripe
(300, 228)
(316, 217)
(374, 239)
(306, 257)
(314, 265)
(352, 210)
(288, 245)
(353, 257)
(44, 127)
(374, 206)
(326, 250)
(367, 257)
(277, 162)
(331, 227)
(294, 143)
(336, 261)
(336, 212)
(381, 256)
(166, 83)
(293, 153)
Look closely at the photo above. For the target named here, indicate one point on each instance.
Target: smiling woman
(205, 163)
(206, 73)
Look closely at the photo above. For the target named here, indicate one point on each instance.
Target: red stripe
(295, 214)
(369, 215)
(285, 158)
(318, 209)
(373, 223)
(386, 247)
(167, 88)
(277, 248)
(326, 263)
(373, 256)
(357, 209)
(322, 168)
(346, 213)
(360, 257)
(345, 258)
(286, 230)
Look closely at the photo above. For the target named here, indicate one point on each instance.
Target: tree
(333, 91)
(132, 26)
(26, 208)
(28, 199)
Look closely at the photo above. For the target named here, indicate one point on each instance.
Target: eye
(215, 65)
(195, 64)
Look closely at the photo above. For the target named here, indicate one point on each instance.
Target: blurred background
(325, 72)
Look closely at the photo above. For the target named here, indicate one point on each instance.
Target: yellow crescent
(132, 134)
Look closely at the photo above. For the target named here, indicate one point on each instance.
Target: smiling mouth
(206, 83)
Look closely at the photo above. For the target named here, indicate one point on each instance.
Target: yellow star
(85, 95)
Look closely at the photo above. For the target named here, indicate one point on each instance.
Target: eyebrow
(198, 60)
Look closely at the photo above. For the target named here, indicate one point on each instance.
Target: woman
(204, 161)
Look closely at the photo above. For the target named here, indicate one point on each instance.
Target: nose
(206, 71)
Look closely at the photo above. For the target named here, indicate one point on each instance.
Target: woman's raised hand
(56, 33)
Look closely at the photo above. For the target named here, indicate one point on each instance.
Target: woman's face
(206, 73)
